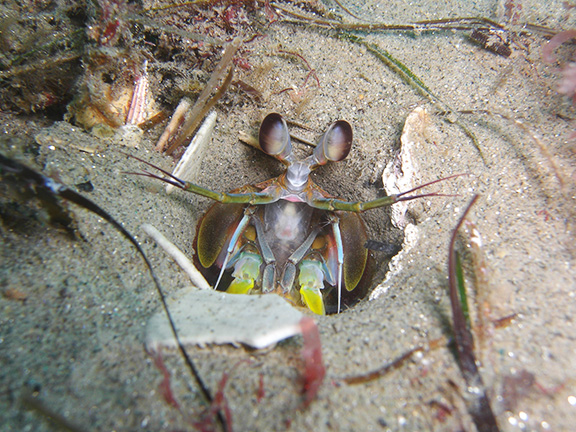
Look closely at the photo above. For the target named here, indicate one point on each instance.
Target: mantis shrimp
(287, 235)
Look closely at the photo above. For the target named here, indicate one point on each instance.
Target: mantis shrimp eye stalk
(274, 138)
(335, 144)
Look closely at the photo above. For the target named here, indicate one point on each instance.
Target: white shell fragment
(141, 108)
(177, 255)
(137, 112)
(402, 174)
(213, 317)
(189, 165)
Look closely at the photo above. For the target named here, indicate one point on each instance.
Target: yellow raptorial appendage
(246, 271)
(313, 299)
(311, 281)
(240, 286)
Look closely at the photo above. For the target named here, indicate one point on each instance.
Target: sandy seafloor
(77, 339)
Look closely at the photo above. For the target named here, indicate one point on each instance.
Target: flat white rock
(213, 317)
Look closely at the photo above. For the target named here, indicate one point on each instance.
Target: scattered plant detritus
(311, 70)
(516, 387)
(489, 34)
(465, 23)
(442, 410)
(523, 384)
(261, 392)
(505, 321)
(301, 95)
(559, 39)
(314, 369)
(478, 402)
(492, 41)
(345, 9)
(207, 419)
(399, 68)
(567, 84)
(14, 294)
(394, 364)
(219, 405)
(483, 325)
(38, 59)
(170, 141)
(164, 387)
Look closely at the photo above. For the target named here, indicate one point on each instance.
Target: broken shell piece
(182, 260)
(212, 317)
(403, 173)
(189, 165)
(139, 104)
